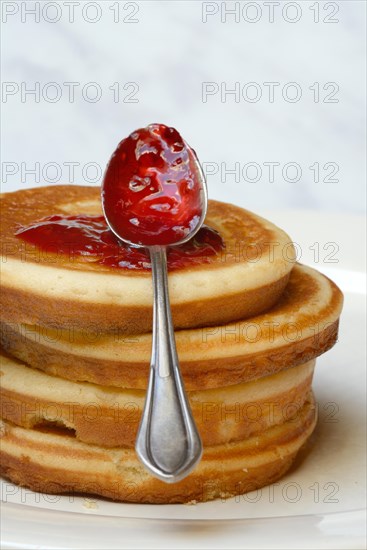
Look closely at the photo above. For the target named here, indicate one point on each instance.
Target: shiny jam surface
(90, 238)
(150, 192)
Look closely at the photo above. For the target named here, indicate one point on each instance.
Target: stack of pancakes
(76, 346)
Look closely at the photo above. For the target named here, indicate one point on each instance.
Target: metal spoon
(168, 442)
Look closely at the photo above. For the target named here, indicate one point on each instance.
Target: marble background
(151, 61)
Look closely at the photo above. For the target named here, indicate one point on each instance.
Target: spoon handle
(168, 442)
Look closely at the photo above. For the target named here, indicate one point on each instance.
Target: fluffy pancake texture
(58, 290)
(76, 345)
(301, 326)
(55, 462)
(110, 416)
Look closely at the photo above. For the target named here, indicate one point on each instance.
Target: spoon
(168, 443)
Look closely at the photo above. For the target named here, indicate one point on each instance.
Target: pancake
(52, 462)
(249, 323)
(301, 326)
(110, 417)
(61, 290)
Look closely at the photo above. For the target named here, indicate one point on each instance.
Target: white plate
(318, 504)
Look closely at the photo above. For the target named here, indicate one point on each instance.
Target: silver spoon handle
(168, 442)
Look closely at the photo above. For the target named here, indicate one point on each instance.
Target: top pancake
(245, 279)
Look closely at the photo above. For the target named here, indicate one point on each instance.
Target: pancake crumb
(191, 503)
(90, 504)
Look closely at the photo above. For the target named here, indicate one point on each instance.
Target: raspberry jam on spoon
(151, 191)
(154, 195)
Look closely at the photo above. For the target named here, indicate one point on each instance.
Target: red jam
(150, 193)
(90, 238)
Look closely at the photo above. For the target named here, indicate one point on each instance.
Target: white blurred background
(80, 76)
